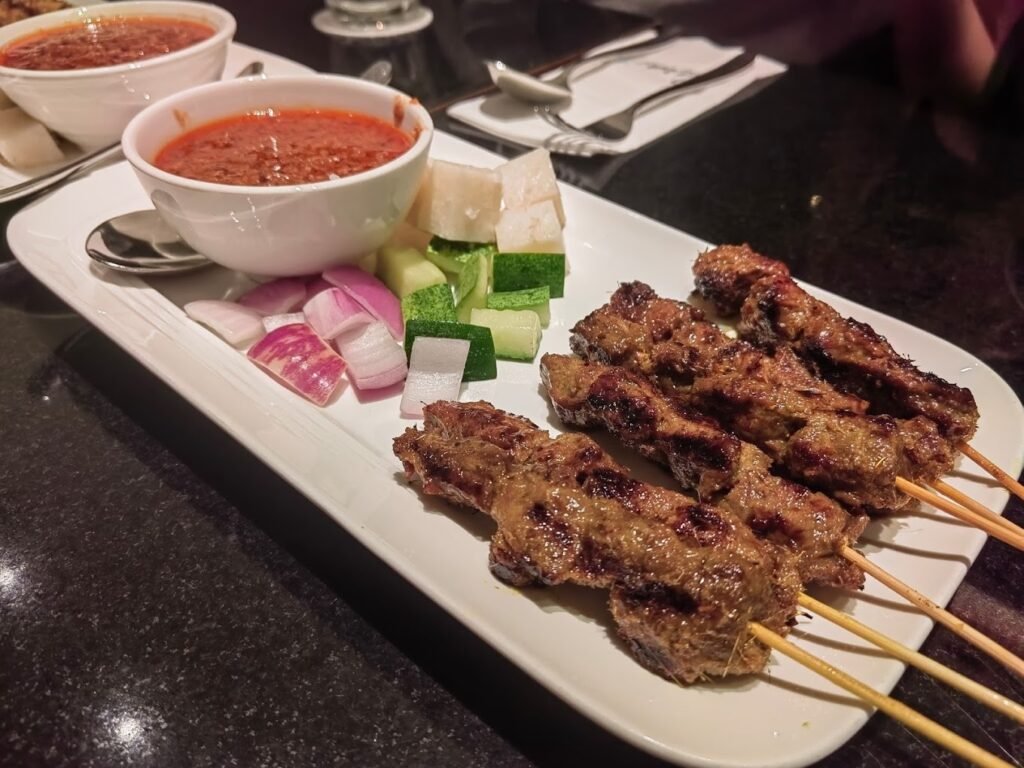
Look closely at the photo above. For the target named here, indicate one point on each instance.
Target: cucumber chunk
(516, 333)
(532, 299)
(405, 270)
(480, 364)
(476, 296)
(452, 255)
(434, 302)
(515, 271)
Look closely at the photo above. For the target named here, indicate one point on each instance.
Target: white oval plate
(340, 457)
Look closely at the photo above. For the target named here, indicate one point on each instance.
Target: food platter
(340, 457)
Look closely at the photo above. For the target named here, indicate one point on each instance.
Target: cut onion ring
(371, 353)
(296, 356)
(332, 312)
(371, 294)
(273, 322)
(235, 324)
(277, 297)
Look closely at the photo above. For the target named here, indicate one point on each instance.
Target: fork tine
(572, 139)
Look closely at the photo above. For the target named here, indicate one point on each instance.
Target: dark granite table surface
(165, 600)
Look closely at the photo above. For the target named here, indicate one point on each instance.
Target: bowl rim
(226, 28)
(175, 101)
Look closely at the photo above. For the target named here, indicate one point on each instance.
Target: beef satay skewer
(705, 459)
(451, 462)
(774, 310)
(683, 579)
(702, 456)
(821, 437)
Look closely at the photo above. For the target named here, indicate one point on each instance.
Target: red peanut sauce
(102, 42)
(277, 147)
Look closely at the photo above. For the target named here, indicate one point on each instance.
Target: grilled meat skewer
(776, 312)
(723, 470)
(685, 579)
(815, 434)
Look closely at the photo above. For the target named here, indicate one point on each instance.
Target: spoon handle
(38, 183)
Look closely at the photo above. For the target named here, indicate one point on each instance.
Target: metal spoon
(142, 243)
(532, 90)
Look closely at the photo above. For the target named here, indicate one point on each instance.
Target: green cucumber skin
(516, 271)
(432, 303)
(518, 341)
(451, 255)
(531, 299)
(476, 297)
(466, 278)
(481, 364)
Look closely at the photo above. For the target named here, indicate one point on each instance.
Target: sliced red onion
(295, 355)
(236, 325)
(285, 294)
(370, 353)
(273, 322)
(372, 295)
(315, 286)
(435, 373)
(333, 311)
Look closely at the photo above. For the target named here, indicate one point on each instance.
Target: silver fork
(617, 127)
(570, 140)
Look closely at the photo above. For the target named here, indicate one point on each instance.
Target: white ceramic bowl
(282, 230)
(92, 106)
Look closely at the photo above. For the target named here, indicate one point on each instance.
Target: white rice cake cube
(458, 202)
(24, 142)
(534, 229)
(530, 179)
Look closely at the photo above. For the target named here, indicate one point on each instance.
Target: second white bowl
(91, 107)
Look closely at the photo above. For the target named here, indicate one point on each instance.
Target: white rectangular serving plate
(340, 457)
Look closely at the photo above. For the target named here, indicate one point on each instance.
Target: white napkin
(607, 88)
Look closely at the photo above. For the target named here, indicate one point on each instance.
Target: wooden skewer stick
(1004, 479)
(964, 500)
(992, 529)
(941, 615)
(953, 679)
(895, 709)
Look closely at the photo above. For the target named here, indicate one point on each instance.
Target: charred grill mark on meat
(684, 579)
(737, 268)
(700, 454)
(815, 434)
(776, 312)
(724, 471)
